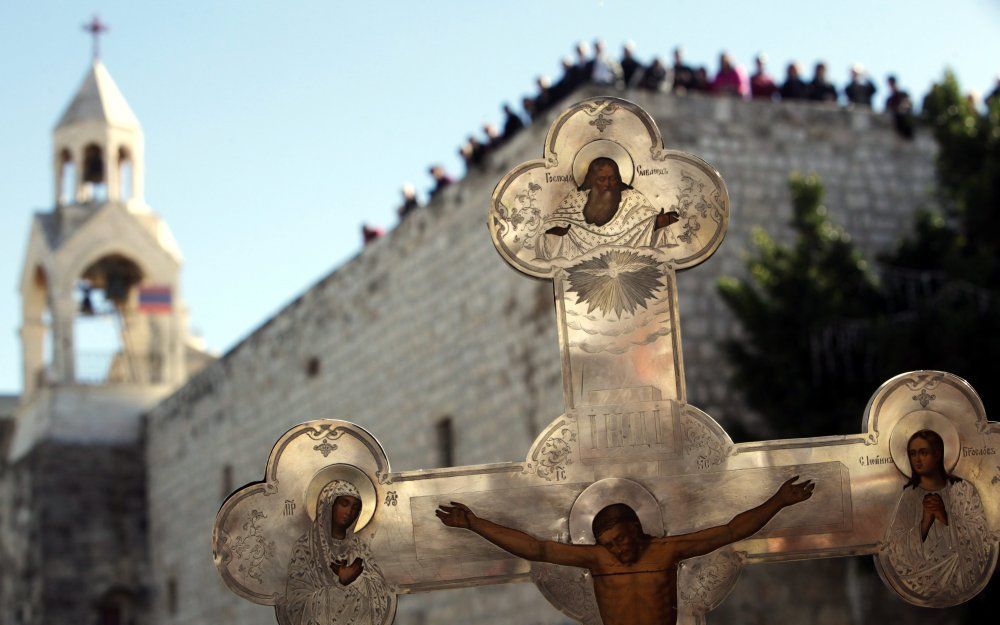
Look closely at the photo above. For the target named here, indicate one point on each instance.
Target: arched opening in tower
(42, 286)
(37, 330)
(111, 345)
(125, 169)
(95, 188)
(67, 177)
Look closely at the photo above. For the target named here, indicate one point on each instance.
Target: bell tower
(104, 338)
(101, 253)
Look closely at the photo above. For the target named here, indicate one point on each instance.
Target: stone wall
(428, 322)
(74, 536)
(8, 551)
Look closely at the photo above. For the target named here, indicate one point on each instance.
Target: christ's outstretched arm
(515, 541)
(744, 524)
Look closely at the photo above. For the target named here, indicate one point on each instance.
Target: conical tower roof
(99, 99)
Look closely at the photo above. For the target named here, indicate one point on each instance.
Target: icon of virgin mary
(332, 578)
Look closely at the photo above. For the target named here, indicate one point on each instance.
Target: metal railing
(117, 367)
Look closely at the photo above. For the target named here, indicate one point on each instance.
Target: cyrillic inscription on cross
(632, 491)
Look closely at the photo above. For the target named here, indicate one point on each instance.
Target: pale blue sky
(273, 130)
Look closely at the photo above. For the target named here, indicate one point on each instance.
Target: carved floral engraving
(692, 203)
(924, 398)
(704, 582)
(554, 455)
(325, 448)
(701, 443)
(568, 588)
(253, 548)
(522, 218)
(601, 123)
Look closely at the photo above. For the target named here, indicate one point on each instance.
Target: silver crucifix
(633, 506)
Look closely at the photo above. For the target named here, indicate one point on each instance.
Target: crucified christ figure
(635, 575)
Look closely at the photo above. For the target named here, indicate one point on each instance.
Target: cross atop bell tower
(96, 28)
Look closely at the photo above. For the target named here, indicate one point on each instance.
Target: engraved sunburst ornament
(617, 281)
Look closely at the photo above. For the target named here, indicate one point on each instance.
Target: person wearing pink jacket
(732, 79)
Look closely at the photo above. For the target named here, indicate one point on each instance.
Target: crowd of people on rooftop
(593, 65)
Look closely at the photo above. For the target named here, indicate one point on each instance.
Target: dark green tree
(968, 173)
(822, 329)
(802, 309)
(942, 283)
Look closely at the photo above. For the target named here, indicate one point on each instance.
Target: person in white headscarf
(332, 579)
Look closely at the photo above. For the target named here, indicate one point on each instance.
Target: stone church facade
(430, 342)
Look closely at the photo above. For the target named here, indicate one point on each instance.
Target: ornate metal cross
(610, 216)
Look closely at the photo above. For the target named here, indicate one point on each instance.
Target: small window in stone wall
(445, 431)
(110, 615)
(172, 596)
(312, 367)
(227, 480)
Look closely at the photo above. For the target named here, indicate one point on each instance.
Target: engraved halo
(348, 473)
(609, 491)
(608, 149)
(923, 420)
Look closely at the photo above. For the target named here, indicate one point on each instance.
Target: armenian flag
(155, 299)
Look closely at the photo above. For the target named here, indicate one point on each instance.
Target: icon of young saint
(332, 579)
(635, 575)
(604, 210)
(938, 545)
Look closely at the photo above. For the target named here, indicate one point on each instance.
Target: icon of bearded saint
(603, 211)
